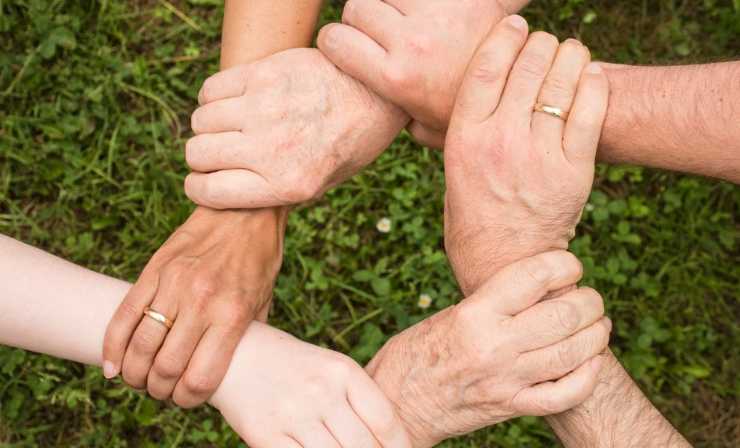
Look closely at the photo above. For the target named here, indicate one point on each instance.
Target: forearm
(617, 415)
(682, 118)
(54, 307)
(254, 29)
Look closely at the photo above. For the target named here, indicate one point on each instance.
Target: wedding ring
(159, 317)
(552, 111)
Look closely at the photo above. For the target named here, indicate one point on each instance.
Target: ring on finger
(159, 317)
(551, 110)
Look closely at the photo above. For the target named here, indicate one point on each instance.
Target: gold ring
(159, 317)
(551, 110)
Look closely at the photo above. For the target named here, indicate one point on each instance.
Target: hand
(212, 277)
(411, 52)
(501, 353)
(517, 180)
(282, 392)
(282, 131)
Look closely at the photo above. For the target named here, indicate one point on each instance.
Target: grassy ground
(94, 105)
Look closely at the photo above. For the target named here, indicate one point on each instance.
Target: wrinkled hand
(282, 131)
(212, 277)
(501, 353)
(413, 52)
(517, 180)
(282, 392)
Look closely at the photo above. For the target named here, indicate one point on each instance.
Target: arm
(54, 307)
(617, 415)
(254, 29)
(682, 118)
(541, 175)
(215, 274)
(679, 118)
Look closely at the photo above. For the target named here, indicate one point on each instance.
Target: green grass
(94, 104)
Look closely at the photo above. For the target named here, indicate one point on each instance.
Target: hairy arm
(617, 415)
(682, 118)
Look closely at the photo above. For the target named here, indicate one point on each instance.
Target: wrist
(617, 413)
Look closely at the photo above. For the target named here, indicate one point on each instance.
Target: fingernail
(518, 22)
(109, 370)
(594, 68)
(329, 39)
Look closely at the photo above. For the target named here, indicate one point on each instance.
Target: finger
(207, 366)
(378, 20)
(376, 411)
(223, 151)
(317, 436)
(583, 129)
(219, 116)
(527, 76)
(554, 320)
(231, 189)
(488, 71)
(125, 320)
(284, 442)
(147, 339)
(524, 283)
(431, 138)
(355, 54)
(225, 84)
(559, 90)
(555, 361)
(349, 430)
(406, 6)
(559, 396)
(174, 355)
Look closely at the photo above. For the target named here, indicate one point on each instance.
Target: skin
(501, 353)
(234, 168)
(617, 414)
(218, 269)
(518, 180)
(263, 126)
(489, 182)
(301, 396)
(414, 57)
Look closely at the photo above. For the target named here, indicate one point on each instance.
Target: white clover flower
(425, 301)
(384, 225)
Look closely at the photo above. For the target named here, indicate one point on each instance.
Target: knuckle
(168, 366)
(567, 316)
(487, 70)
(341, 368)
(593, 298)
(145, 341)
(558, 90)
(564, 357)
(397, 76)
(198, 385)
(533, 65)
(191, 152)
(203, 288)
(300, 189)
(420, 44)
(128, 311)
(537, 270)
(549, 405)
